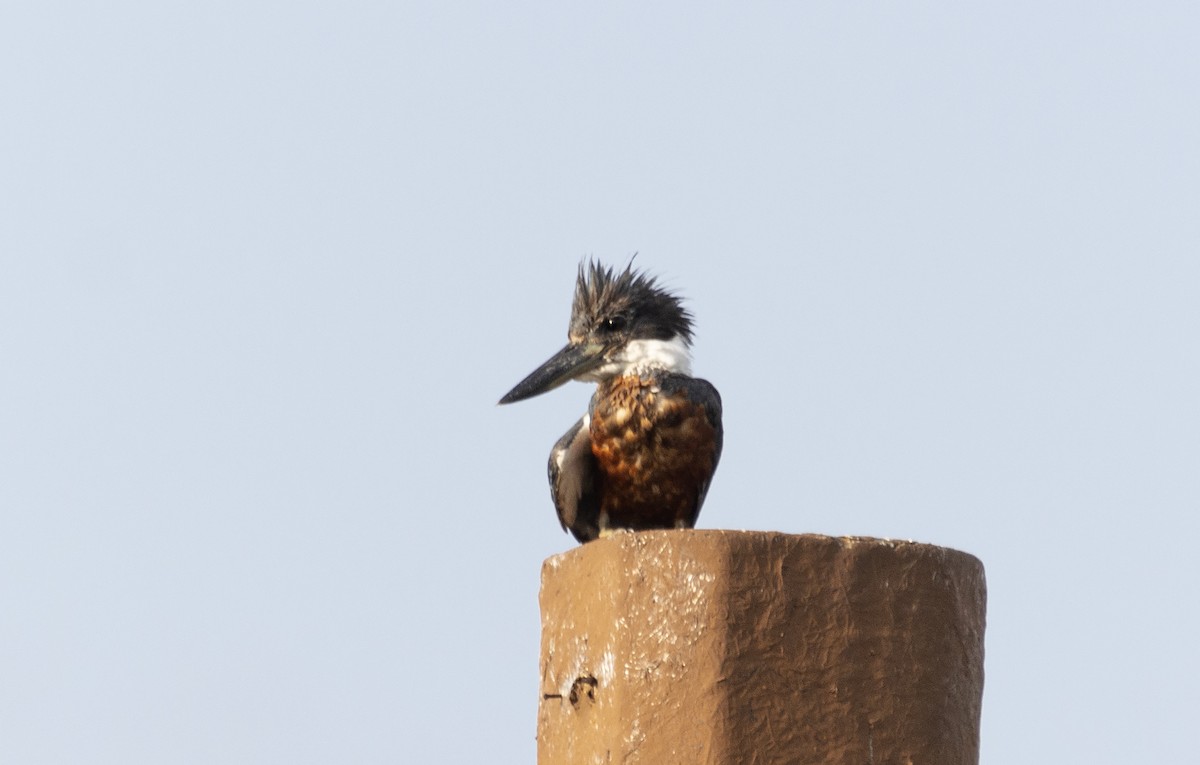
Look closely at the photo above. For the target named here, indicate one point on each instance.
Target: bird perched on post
(644, 453)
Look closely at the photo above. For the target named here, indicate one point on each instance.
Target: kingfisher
(644, 453)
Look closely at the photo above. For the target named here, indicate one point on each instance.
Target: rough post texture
(723, 647)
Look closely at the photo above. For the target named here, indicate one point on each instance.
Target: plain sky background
(265, 269)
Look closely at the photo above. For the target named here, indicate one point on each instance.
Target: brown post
(726, 647)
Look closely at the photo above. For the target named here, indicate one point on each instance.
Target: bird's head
(621, 323)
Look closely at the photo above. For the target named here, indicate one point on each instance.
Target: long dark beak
(567, 364)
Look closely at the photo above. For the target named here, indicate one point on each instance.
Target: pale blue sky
(265, 269)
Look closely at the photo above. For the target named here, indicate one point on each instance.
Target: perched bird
(644, 453)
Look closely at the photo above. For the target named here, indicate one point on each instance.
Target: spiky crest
(630, 296)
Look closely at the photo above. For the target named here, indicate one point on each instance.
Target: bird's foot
(607, 532)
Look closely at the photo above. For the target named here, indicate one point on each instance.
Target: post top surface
(650, 542)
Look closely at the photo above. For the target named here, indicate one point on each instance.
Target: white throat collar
(640, 356)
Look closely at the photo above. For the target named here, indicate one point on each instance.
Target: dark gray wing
(572, 471)
(703, 393)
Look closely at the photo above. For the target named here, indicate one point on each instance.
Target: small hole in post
(583, 686)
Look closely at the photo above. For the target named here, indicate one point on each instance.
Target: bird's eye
(613, 324)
